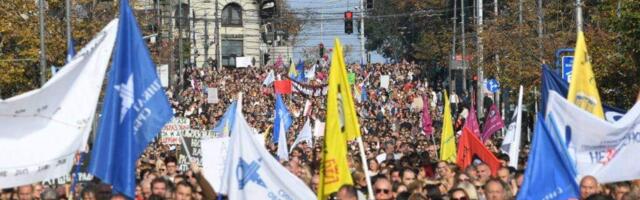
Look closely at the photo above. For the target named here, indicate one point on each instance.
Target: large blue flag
(553, 81)
(135, 108)
(224, 124)
(549, 173)
(280, 112)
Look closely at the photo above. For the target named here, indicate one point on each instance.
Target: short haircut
(170, 159)
(186, 184)
(504, 186)
(350, 190)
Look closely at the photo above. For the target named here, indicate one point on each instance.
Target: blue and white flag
(605, 150)
(71, 52)
(282, 152)
(304, 135)
(251, 172)
(135, 108)
(223, 127)
(280, 112)
(549, 173)
(271, 77)
(552, 81)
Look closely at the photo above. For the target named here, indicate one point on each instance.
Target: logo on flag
(248, 172)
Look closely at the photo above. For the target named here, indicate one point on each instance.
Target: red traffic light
(348, 15)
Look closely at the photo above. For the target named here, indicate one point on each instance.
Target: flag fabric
(279, 63)
(282, 152)
(427, 124)
(251, 172)
(472, 122)
(552, 81)
(281, 115)
(342, 125)
(549, 174)
(352, 78)
(494, 123)
(318, 128)
(448, 138)
(135, 108)
(307, 108)
(283, 87)
(605, 150)
(363, 91)
(304, 135)
(223, 127)
(42, 130)
(511, 142)
(357, 93)
(470, 146)
(293, 72)
(271, 77)
(310, 74)
(301, 77)
(583, 90)
(71, 52)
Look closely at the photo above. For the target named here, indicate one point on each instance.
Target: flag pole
(365, 167)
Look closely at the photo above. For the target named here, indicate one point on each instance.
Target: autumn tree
(20, 39)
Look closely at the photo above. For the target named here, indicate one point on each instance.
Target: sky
(333, 26)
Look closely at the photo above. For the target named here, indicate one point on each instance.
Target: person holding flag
(126, 128)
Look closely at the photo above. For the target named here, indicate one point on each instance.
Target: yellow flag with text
(448, 138)
(583, 90)
(341, 126)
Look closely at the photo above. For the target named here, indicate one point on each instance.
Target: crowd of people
(402, 159)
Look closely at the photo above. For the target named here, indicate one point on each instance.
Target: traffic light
(348, 22)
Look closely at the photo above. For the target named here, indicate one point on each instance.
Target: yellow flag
(448, 139)
(342, 125)
(583, 90)
(292, 70)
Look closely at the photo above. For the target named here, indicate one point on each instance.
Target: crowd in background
(403, 161)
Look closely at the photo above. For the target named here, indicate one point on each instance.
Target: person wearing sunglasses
(382, 188)
(458, 194)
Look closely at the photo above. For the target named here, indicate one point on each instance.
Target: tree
(19, 38)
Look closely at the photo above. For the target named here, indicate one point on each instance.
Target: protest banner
(190, 149)
(169, 133)
(212, 95)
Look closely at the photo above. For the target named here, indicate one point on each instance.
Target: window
(182, 21)
(232, 15)
(230, 50)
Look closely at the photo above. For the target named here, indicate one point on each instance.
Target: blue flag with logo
(224, 124)
(135, 109)
(301, 75)
(553, 81)
(549, 173)
(280, 112)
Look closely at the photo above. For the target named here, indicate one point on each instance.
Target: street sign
(492, 85)
(567, 67)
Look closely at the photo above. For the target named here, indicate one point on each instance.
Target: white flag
(251, 172)
(608, 151)
(318, 128)
(41, 130)
(304, 135)
(511, 142)
(282, 153)
(269, 79)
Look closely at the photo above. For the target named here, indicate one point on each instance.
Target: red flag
(494, 123)
(470, 146)
(427, 126)
(283, 86)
